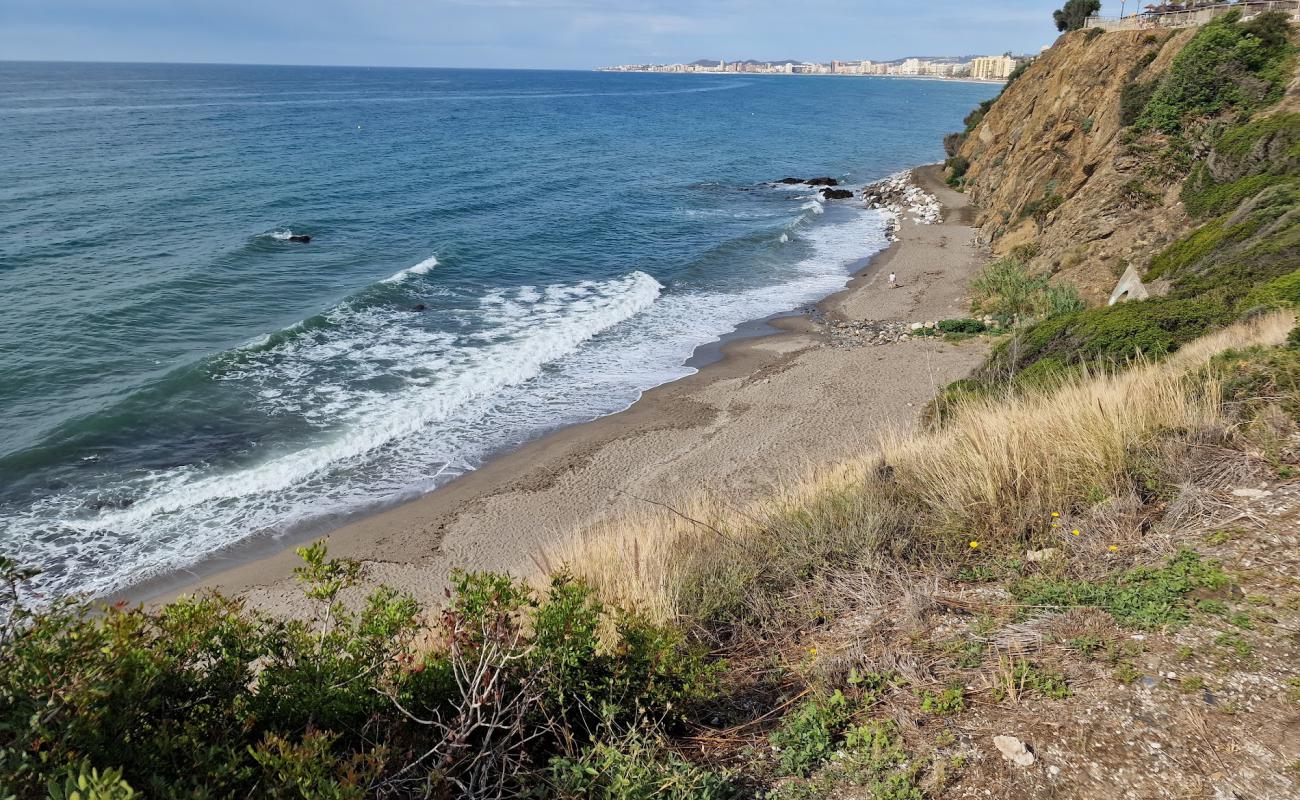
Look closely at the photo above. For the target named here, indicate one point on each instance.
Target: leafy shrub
(1040, 209)
(962, 326)
(1133, 99)
(957, 167)
(1137, 195)
(84, 782)
(1093, 33)
(634, 769)
(952, 143)
(1226, 66)
(807, 737)
(874, 756)
(205, 698)
(1006, 290)
(975, 117)
(1144, 597)
(1247, 160)
(945, 703)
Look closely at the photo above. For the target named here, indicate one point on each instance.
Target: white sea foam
(372, 442)
(785, 237)
(399, 406)
(281, 235)
(422, 268)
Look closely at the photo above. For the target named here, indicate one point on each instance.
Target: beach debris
(861, 333)
(900, 197)
(1013, 750)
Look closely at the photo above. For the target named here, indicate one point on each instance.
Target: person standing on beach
(893, 281)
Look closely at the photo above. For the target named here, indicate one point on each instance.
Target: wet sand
(764, 413)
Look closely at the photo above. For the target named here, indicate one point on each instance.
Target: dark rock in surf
(300, 237)
(822, 182)
(791, 181)
(420, 307)
(837, 194)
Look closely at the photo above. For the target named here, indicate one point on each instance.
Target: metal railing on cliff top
(1189, 15)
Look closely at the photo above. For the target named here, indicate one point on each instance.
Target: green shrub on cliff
(1247, 159)
(204, 698)
(1228, 65)
(1007, 290)
(1112, 334)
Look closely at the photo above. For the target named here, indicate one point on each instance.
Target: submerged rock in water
(300, 237)
(837, 194)
(822, 182)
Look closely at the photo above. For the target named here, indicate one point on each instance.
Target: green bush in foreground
(635, 769)
(809, 734)
(204, 698)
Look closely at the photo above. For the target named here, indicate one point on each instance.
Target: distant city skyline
(993, 67)
(554, 34)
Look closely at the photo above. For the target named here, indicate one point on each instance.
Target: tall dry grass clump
(992, 474)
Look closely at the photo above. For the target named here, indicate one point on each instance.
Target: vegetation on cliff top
(1075, 12)
(1228, 66)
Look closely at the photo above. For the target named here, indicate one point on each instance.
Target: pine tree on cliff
(1075, 13)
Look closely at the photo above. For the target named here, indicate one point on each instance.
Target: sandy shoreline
(764, 412)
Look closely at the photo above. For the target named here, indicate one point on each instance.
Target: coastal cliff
(1073, 169)
(1072, 576)
(1049, 165)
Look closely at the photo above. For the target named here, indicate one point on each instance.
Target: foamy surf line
(519, 380)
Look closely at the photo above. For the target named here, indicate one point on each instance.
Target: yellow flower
(1075, 531)
(1113, 549)
(1056, 514)
(974, 545)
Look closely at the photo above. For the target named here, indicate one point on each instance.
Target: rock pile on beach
(860, 333)
(899, 196)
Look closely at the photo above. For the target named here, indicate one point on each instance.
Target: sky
(543, 34)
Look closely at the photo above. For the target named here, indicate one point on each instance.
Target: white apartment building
(993, 68)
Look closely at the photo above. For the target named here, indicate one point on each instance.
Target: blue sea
(494, 254)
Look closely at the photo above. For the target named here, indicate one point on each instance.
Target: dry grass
(992, 475)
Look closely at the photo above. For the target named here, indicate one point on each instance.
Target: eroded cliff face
(1051, 171)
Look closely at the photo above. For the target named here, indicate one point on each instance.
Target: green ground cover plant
(1143, 597)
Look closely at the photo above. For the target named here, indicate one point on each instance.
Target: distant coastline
(944, 78)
